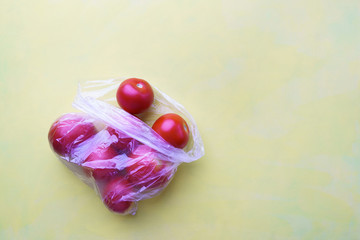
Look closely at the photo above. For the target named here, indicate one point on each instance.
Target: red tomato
(147, 170)
(68, 131)
(124, 144)
(173, 129)
(100, 172)
(114, 193)
(135, 95)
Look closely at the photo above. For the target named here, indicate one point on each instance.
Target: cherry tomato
(147, 170)
(114, 193)
(173, 129)
(135, 95)
(104, 169)
(68, 131)
(124, 144)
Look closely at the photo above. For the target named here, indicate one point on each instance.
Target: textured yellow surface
(273, 86)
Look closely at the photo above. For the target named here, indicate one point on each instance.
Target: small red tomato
(173, 129)
(124, 144)
(68, 131)
(105, 169)
(146, 169)
(114, 193)
(135, 95)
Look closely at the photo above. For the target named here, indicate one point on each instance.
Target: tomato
(173, 129)
(124, 143)
(114, 193)
(135, 95)
(68, 131)
(103, 169)
(147, 170)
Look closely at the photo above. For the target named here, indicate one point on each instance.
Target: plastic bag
(116, 153)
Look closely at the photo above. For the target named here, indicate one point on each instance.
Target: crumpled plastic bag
(118, 154)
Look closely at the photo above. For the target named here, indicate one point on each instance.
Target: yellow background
(273, 86)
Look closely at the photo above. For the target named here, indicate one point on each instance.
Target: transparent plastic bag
(116, 153)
